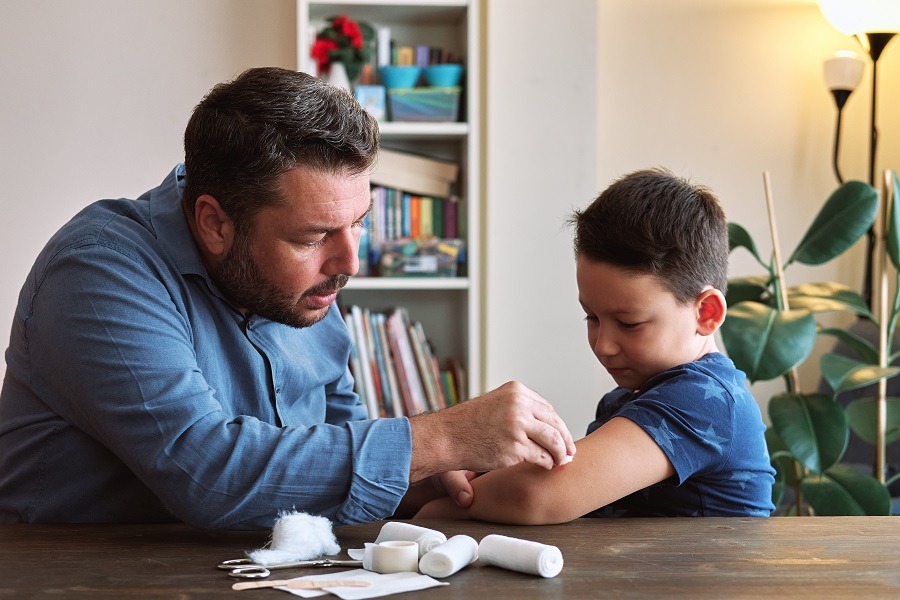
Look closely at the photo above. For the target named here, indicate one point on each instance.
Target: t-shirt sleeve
(690, 416)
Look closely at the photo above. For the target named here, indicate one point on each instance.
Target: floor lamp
(873, 23)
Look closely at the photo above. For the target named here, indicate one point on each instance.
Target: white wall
(716, 90)
(94, 98)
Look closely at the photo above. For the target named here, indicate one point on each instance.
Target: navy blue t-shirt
(706, 421)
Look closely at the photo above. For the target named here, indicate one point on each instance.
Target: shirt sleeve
(111, 355)
(691, 417)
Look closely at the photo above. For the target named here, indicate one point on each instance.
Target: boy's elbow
(523, 504)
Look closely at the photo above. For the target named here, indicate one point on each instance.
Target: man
(176, 357)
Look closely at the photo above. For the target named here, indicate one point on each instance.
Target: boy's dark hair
(247, 132)
(653, 222)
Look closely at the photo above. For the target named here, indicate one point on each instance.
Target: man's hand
(501, 428)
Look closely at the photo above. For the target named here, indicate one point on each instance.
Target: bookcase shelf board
(408, 283)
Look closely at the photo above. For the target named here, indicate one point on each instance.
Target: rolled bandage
(451, 556)
(397, 531)
(520, 555)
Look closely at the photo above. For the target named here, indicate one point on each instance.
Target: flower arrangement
(346, 41)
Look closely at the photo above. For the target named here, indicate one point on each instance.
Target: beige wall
(717, 90)
(94, 97)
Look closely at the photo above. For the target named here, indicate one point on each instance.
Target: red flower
(321, 53)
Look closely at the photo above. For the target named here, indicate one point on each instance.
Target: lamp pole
(874, 44)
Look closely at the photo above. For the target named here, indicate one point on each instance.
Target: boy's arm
(614, 461)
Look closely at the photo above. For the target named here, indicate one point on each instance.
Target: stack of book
(412, 198)
(395, 370)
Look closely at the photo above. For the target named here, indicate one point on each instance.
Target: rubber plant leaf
(843, 373)
(747, 289)
(782, 464)
(738, 237)
(862, 417)
(893, 235)
(764, 342)
(812, 426)
(843, 491)
(846, 216)
(828, 296)
(862, 347)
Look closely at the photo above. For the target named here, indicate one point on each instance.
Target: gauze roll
(520, 555)
(398, 531)
(446, 559)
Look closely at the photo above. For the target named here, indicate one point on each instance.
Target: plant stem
(791, 379)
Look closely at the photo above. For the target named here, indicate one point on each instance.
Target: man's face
(290, 262)
(636, 327)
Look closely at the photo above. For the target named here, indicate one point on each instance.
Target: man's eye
(313, 244)
(625, 325)
(590, 318)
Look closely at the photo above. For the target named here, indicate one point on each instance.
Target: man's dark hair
(267, 121)
(653, 222)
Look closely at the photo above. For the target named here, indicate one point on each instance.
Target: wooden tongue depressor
(299, 584)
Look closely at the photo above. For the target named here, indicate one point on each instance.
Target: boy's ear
(711, 309)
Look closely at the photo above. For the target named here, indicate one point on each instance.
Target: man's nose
(344, 258)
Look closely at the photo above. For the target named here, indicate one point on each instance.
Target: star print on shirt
(742, 477)
(714, 438)
(712, 389)
(663, 435)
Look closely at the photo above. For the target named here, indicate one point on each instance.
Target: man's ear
(214, 228)
(711, 309)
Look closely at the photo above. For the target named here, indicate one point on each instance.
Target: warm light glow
(855, 17)
(844, 71)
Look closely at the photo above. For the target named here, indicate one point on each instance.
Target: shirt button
(277, 390)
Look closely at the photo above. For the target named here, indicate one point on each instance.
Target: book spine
(451, 230)
(355, 365)
(401, 325)
(387, 402)
(373, 363)
(390, 371)
(371, 397)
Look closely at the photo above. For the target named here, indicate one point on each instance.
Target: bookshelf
(449, 309)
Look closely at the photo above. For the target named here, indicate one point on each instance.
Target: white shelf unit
(450, 309)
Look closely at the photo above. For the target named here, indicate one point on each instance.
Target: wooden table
(837, 557)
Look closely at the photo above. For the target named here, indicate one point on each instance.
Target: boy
(681, 435)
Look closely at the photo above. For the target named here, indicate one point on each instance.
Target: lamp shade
(855, 17)
(843, 72)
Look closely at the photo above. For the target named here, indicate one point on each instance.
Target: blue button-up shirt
(135, 392)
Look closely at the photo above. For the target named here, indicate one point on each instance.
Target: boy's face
(636, 327)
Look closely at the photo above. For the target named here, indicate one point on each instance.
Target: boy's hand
(456, 485)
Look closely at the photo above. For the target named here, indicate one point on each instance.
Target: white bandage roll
(520, 555)
(446, 559)
(398, 531)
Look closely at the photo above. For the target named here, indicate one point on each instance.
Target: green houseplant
(771, 329)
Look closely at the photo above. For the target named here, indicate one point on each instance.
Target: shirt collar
(170, 224)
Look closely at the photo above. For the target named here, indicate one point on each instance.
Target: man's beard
(241, 280)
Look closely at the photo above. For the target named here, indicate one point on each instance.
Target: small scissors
(244, 568)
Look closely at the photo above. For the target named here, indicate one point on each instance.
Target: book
(385, 405)
(414, 174)
(399, 323)
(355, 364)
(451, 217)
(390, 372)
(362, 346)
(426, 213)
